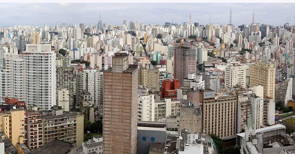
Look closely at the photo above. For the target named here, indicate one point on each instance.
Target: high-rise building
(256, 112)
(120, 107)
(184, 62)
(202, 55)
(63, 99)
(263, 73)
(40, 76)
(31, 76)
(91, 80)
(149, 78)
(190, 118)
(146, 105)
(235, 75)
(66, 78)
(220, 114)
(13, 77)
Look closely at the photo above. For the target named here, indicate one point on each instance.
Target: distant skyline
(147, 13)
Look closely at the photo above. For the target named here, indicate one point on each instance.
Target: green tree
(192, 37)
(211, 54)
(224, 149)
(218, 142)
(62, 52)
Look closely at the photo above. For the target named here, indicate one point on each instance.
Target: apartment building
(235, 75)
(166, 108)
(220, 114)
(12, 124)
(31, 76)
(150, 78)
(120, 107)
(146, 105)
(184, 61)
(37, 128)
(263, 73)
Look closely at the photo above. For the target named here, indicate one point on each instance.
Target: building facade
(220, 114)
(263, 74)
(120, 107)
(235, 75)
(149, 78)
(184, 62)
(31, 76)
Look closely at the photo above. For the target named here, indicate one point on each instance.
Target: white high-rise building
(235, 75)
(202, 55)
(40, 66)
(92, 83)
(256, 112)
(13, 73)
(31, 76)
(146, 106)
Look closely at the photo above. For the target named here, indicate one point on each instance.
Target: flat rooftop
(266, 129)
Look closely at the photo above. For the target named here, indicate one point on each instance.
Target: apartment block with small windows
(220, 114)
(263, 73)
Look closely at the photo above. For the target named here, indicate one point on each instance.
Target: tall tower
(253, 17)
(190, 19)
(120, 107)
(184, 61)
(40, 66)
(99, 24)
(230, 17)
(263, 73)
(31, 76)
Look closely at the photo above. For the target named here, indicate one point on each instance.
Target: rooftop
(54, 147)
(266, 129)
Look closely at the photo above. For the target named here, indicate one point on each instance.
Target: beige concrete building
(190, 118)
(220, 114)
(67, 127)
(44, 127)
(149, 78)
(36, 128)
(235, 75)
(166, 108)
(63, 99)
(120, 107)
(263, 73)
(12, 124)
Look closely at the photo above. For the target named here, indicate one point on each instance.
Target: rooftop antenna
(230, 17)
(190, 19)
(99, 16)
(253, 17)
(210, 19)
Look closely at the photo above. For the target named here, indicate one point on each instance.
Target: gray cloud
(149, 13)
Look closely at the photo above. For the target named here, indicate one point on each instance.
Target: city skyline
(147, 13)
(81, 77)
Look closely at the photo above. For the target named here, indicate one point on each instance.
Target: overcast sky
(115, 13)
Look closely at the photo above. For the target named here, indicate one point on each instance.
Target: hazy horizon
(147, 13)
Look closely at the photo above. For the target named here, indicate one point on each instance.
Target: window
(153, 139)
